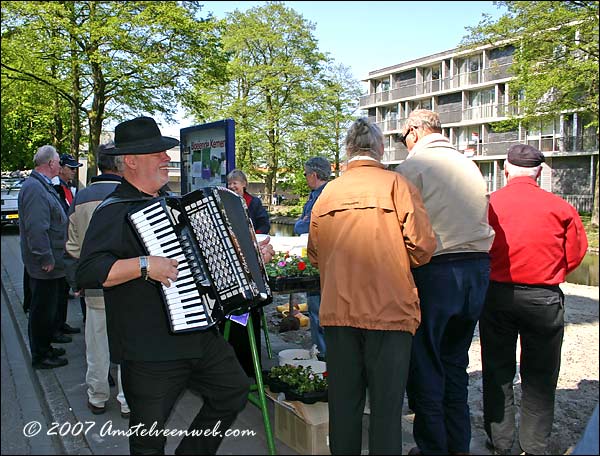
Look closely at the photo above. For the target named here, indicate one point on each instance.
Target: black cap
(525, 156)
(68, 160)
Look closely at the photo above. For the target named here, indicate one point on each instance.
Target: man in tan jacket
(367, 229)
(451, 287)
(96, 338)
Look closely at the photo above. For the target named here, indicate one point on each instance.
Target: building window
(431, 78)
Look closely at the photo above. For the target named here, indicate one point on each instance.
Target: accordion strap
(117, 199)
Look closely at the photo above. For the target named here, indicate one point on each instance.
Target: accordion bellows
(221, 271)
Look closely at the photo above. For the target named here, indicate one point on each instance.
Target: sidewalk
(64, 389)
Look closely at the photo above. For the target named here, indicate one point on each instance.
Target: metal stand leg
(257, 391)
(266, 332)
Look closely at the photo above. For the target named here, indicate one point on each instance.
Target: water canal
(585, 274)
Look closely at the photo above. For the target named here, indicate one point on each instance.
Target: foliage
(277, 86)
(503, 126)
(106, 60)
(286, 265)
(288, 211)
(555, 62)
(301, 379)
(556, 53)
(591, 230)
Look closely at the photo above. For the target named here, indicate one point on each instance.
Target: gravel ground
(577, 392)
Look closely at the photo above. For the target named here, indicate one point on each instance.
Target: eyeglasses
(402, 137)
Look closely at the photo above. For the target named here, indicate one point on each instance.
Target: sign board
(207, 154)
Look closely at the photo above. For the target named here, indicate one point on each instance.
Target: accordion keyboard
(187, 307)
(218, 249)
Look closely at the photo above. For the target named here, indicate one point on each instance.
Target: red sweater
(539, 236)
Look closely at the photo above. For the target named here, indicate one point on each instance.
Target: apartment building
(470, 91)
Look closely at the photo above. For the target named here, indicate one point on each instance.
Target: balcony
(585, 143)
(489, 111)
(496, 72)
(394, 154)
(459, 80)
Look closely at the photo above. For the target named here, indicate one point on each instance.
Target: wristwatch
(144, 267)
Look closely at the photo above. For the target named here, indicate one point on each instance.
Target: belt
(460, 256)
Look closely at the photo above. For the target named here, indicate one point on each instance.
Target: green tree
(556, 57)
(112, 59)
(270, 83)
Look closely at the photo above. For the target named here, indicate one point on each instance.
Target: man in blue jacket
(316, 171)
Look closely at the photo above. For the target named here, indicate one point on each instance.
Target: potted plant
(299, 383)
(289, 272)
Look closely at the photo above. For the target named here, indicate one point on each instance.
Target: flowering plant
(285, 265)
(299, 378)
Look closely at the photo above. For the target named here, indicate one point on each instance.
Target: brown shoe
(414, 451)
(95, 409)
(125, 415)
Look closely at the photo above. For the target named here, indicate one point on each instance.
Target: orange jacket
(368, 228)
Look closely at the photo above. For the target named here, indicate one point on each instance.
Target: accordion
(221, 271)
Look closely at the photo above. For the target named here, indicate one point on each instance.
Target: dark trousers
(536, 314)
(361, 359)
(238, 339)
(45, 296)
(152, 388)
(452, 295)
(61, 313)
(26, 291)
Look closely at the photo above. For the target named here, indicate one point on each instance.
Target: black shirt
(138, 329)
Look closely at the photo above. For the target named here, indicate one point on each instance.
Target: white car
(10, 205)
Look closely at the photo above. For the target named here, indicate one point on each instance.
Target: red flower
(301, 266)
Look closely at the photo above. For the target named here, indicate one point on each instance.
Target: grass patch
(590, 231)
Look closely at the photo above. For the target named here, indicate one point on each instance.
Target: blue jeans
(313, 299)
(452, 294)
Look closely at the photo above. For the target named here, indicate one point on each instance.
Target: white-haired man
(539, 240)
(42, 229)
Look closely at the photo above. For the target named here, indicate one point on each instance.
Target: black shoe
(56, 352)
(111, 380)
(95, 409)
(490, 446)
(49, 363)
(67, 329)
(61, 339)
(125, 415)
(414, 451)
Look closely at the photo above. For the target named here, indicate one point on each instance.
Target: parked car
(10, 194)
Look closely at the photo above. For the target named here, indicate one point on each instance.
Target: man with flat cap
(156, 366)
(539, 240)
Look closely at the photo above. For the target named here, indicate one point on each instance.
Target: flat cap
(525, 156)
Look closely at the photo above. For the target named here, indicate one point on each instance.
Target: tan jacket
(368, 228)
(454, 193)
(85, 203)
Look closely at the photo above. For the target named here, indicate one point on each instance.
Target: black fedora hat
(139, 136)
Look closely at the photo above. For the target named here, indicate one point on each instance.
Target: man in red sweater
(539, 240)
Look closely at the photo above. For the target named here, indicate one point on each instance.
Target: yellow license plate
(12, 216)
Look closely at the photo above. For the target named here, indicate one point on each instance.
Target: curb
(54, 399)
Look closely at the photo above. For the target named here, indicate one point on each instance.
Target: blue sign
(207, 154)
